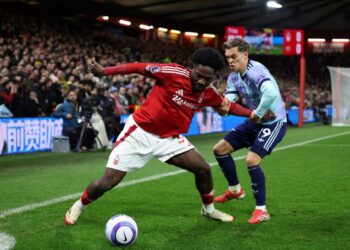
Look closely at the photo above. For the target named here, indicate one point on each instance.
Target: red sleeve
(129, 68)
(236, 109)
(147, 69)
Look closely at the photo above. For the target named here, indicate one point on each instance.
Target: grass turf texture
(307, 197)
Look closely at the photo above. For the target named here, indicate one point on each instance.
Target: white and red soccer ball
(121, 230)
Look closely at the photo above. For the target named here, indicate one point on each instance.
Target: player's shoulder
(211, 89)
(174, 68)
(255, 65)
(168, 69)
(255, 68)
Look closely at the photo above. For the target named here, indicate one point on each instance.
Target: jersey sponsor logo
(181, 102)
(180, 92)
(154, 69)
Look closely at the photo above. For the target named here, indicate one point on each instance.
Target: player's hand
(254, 118)
(224, 107)
(268, 116)
(69, 116)
(95, 68)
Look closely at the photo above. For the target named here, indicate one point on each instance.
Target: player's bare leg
(194, 162)
(97, 188)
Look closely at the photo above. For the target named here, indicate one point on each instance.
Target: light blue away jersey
(258, 89)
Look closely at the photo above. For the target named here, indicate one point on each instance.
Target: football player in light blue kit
(253, 85)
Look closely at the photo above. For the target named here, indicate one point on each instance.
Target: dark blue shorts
(261, 138)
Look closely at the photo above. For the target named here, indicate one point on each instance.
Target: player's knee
(217, 149)
(252, 161)
(222, 148)
(204, 169)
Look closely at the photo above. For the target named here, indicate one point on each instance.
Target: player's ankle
(235, 188)
(262, 207)
(209, 207)
(79, 204)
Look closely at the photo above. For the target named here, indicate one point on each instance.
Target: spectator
(31, 105)
(4, 111)
(71, 126)
(111, 111)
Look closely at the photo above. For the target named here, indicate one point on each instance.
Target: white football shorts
(135, 147)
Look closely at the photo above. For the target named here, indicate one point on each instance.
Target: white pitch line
(327, 145)
(29, 207)
(7, 241)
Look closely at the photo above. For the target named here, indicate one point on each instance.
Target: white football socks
(235, 188)
(263, 208)
(79, 203)
(209, 207)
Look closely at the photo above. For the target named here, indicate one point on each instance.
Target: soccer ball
(121, 230)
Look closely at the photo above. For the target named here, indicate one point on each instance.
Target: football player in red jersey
(155, 129)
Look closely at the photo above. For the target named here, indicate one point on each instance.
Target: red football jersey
(172, 102)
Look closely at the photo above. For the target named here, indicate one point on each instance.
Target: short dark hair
(209, 57)
(241, 44)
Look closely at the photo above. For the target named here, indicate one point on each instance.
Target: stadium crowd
(41, 59)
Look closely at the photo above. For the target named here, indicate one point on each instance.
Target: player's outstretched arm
(128, 68)
(223, 108)
(95, 68)
(232, 108)
(238, 110)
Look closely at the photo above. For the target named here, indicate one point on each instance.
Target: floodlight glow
(188, 33)
(318, 40)
(208, 35)
(340, 40)
(162, 29)
(145, 27)
(125, 22)
(273, 4)
(175, 31)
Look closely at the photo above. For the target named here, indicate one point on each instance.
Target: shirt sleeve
(268, 96)
(152, 70)
(238, 110)
(231, 91)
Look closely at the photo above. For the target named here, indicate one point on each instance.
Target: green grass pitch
(307, 196)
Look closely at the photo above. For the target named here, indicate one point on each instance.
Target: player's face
(237, 60)
(202, 76)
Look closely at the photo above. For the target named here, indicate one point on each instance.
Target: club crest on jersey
(154, 69)
(116, 160)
